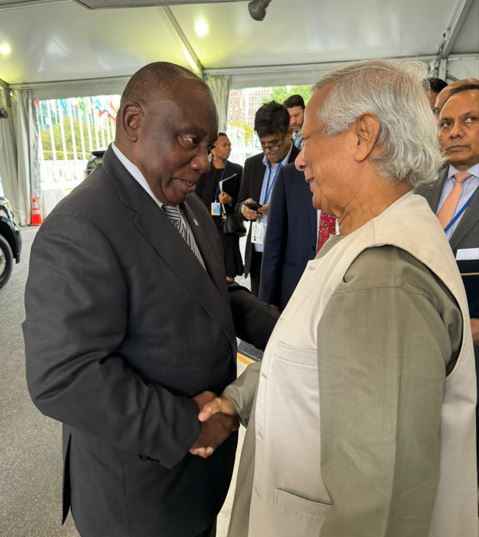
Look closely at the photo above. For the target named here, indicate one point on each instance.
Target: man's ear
(366, 130)
(132, 120)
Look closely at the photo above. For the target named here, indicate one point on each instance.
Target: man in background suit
(290, 238)
(459, 137)
(128, 325)
(260, 173)
(445, 93)
(295, 106)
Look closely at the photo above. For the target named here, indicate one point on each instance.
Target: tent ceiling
(63, 40)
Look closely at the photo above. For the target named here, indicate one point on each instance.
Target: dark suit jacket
(466, 234)
(123, 327)
(290, 237)
(251, 184)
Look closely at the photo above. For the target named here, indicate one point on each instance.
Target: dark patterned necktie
(327, 227)
(173, 214)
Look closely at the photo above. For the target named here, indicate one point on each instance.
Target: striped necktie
(452, 199)
(173, 214)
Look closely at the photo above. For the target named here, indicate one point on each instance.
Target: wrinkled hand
(264, 209)
(225, 198)
(216, 424)
(216, 406)
(475, 331)
(204, 397)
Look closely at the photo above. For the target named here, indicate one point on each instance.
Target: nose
(299, 162)
(201, 162)
(456, 130)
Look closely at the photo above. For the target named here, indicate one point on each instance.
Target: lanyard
(217, 189)
(459, 213)
(269, 186)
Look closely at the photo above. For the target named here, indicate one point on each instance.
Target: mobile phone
(253, 205)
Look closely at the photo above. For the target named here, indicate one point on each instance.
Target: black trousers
(255, 271)
(210, 532)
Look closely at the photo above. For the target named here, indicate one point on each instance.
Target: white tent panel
(63, 40)
(463, 67)
(468, 37)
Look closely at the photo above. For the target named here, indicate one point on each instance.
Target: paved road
(30, 443)
(30, 455)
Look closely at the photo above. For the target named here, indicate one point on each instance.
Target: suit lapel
(294, 153)
(469, 219)
(432, 191)
(258, 181)
(311, 212)
(205, 247)
(152, 223)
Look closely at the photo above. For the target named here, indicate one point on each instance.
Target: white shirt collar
(135, 172)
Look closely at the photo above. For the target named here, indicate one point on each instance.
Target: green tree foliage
(281, 93)
(247, 131)
(47, 146)
(46, 140)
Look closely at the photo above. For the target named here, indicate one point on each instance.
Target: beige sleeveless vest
(289, 497)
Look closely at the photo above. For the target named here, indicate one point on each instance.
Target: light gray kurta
(417, 331)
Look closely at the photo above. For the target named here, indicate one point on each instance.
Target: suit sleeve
(271, 266)
(76, 318)
(254, 320)
(245, 186)
(243, 390)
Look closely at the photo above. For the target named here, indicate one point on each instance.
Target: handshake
(218, 420)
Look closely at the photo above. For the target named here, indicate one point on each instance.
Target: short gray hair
(396, 97)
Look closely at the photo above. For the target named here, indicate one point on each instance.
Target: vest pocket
(301, 507)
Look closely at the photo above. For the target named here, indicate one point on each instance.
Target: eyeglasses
(272, 146)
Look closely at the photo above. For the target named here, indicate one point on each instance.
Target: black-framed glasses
(274, 145)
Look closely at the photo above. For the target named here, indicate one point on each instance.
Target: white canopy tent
(60, 48)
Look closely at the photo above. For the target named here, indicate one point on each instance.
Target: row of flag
(103, 106)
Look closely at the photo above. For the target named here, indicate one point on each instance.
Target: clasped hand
(218, 420)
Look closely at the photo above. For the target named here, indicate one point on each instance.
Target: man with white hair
(363, 420)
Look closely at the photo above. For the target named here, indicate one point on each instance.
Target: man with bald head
(129, 329)
(446, 92)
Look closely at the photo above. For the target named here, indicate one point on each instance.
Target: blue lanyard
(217, 190)
(269, 186)
(459, 213)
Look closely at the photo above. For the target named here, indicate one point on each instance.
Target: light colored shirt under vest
(303, 483)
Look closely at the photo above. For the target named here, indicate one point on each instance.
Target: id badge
(257, 232)
(215, 208)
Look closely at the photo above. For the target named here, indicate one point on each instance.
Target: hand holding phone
(249, 209)
(253, 205)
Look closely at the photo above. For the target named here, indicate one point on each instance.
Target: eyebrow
(462, 114)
